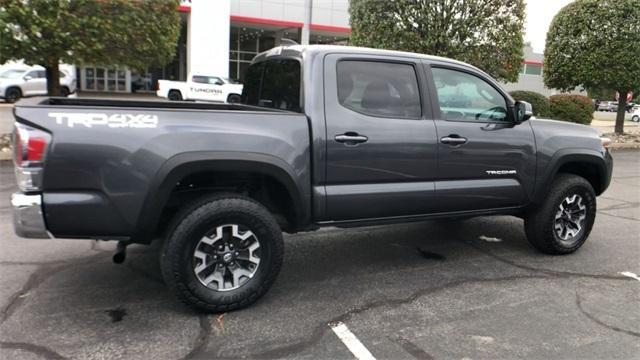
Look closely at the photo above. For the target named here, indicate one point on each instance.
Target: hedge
(572, 108)
(539, 102)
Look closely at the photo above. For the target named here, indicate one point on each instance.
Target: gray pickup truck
(324, 136)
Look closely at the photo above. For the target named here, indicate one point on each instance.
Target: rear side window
(273, 84)
(379, 88)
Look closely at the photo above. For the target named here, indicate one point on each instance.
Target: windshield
(12, 74)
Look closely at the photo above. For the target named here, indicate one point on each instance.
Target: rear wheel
(635, 118)
(64, 91)
(563, 222)
(12, 95)
(234, 98)
(224, 254)
(174, 95)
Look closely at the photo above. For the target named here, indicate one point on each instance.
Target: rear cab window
(273, 84)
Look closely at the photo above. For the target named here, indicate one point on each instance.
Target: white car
(201, 88)
(635, 114)
(23, 81)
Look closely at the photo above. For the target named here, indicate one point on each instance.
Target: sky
(539, 16)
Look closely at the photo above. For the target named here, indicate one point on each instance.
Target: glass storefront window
(533, 69)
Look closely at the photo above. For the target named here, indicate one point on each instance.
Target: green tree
(484, 33)
(131, 33)
(595, 44)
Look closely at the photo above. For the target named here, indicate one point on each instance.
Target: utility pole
(306, 26)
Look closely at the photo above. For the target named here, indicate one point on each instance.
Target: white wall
(208, 37)
(325, 12)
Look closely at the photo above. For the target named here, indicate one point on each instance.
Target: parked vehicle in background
(202, 88)
(635, 113)
(23, 81)
(610, 106)
(324, 136)
(603, 106)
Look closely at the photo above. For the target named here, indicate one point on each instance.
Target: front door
(35, 83)
(381, 141)
(485, 160)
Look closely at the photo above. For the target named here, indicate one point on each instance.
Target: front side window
(379, 88)
(33, 74)
(462, 96)
(273, 84)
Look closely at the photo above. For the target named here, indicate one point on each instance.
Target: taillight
(29, 147)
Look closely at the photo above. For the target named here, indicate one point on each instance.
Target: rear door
(381, 139)
(485, 160)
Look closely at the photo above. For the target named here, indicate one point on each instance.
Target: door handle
(453, 140)
(351, 138)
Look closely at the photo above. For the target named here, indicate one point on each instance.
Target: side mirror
(219, 83)
(523, 111)
(27, 77)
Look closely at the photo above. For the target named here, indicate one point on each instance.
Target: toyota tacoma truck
(323, 136)
(201, 88)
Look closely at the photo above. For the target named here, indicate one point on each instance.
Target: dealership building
(220, 37)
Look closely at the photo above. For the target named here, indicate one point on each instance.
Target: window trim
(436, 103)
(387, 61)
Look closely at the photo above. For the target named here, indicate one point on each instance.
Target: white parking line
(351, 341)
(630, 274)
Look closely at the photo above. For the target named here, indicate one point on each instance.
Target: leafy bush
(572, 108)
(539, 102)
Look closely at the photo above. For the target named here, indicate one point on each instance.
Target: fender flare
(571, 155)
(184, 164)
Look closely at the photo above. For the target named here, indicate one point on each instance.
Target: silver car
(23, 81)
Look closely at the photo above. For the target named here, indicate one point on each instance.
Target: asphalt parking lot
(471, 289)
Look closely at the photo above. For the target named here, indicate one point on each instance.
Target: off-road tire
(176, 258)
(540, 221)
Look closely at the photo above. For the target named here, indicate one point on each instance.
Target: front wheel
(12, 95)
(635, 118)
(224, 254)
(563, 222)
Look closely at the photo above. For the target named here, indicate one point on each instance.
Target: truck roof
(301, 51)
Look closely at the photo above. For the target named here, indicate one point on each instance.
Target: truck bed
(108, 159)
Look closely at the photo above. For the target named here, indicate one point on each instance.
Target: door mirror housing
(27, 77)
(219, 82)
(523, 111)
